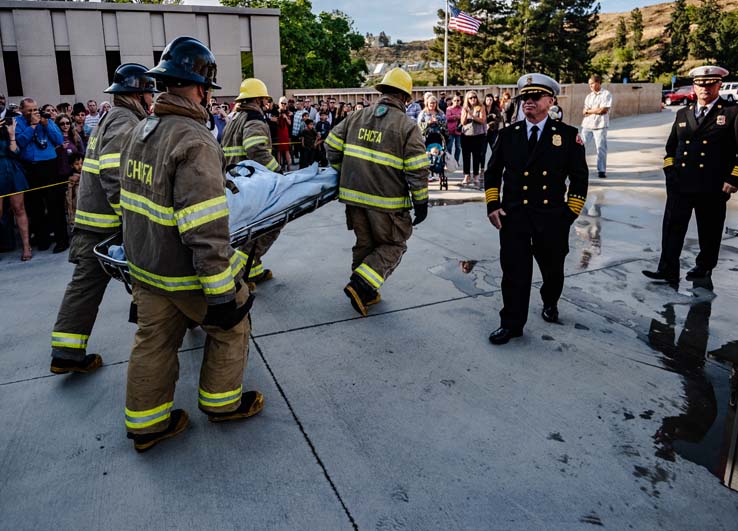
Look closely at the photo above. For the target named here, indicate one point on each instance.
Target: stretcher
(242, 236)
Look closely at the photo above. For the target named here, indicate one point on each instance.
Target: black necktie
(532, 139)
(701, 115)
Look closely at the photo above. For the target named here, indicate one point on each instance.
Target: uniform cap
(707, 75)
(538, 84)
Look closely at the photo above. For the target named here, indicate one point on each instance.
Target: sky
(411, 20)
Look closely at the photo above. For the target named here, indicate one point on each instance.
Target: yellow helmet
(399, 79)
(252, 88)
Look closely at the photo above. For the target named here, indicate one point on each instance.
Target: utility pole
(445, 51)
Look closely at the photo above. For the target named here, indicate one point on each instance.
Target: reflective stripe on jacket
(98, 199)
(175, 214)
(247, 137)
(381, 156)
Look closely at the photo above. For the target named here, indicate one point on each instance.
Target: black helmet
(187, 61)
(131, 78)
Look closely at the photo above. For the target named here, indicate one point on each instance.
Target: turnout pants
(47, 207)
(82, 298)
(526, 235)
(153, 369)
(709, 210)
(380, 242)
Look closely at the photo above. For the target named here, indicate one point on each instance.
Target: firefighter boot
(178, 421)
(251, 403)
(262, 277)
(360, 295)
(89, 363)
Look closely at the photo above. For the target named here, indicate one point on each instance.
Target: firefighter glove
(421, 212)
(227, 315)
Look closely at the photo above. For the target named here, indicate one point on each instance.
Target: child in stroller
(435, 147)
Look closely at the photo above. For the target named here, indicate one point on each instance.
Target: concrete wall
(37, 30)
(630, 99)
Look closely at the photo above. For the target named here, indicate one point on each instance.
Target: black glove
(421, 212)
(227, 315)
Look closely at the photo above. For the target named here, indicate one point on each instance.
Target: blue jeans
(454, 140)
(600, 139)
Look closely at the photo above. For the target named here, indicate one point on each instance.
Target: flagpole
(445, 51)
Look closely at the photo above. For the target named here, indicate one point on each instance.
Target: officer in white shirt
(596, 120)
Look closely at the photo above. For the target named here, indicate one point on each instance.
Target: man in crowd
(245, 137)
(534, 158)
(312, 111)
(175, 231)
(701, 173)
(384, 172)
(97, 216)
(92, 118)
(596, 120)
(298, 124)
(412, 109)
(38, 136)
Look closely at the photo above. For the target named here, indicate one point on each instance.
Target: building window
(157, 56)
(112, 58)
(64, 72)
(247, 65)
(12, 74)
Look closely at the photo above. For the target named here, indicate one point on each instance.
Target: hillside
(655, 19)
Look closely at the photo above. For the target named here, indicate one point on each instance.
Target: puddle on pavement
(700, 433)
(471, 277)
(453, 202)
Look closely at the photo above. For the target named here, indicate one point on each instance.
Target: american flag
(463, 22)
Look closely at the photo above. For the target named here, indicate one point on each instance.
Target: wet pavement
(408, 419)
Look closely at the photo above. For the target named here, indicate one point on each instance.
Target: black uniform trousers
(709, 210)
(46, 207)
(528, 234)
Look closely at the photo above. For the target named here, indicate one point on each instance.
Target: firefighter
(177, 243)
(380, 154)
(97, 218)
(247, 137)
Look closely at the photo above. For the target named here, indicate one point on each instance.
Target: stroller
(435, 147)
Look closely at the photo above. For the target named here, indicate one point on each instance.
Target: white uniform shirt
(709, 106)
(595, 100)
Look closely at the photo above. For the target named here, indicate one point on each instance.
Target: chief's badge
(556, 140)
(529, 80)
(682, 124)
(720, 120)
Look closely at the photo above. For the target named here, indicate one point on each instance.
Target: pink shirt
(453, 117)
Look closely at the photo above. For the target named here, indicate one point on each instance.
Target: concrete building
(68, 51)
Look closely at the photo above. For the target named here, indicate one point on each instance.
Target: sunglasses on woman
(64, 123)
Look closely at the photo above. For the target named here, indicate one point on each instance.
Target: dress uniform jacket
(381, 156)
(538, 181)
(174, 206)
(247, 137)
(701, 158)
(98, 199)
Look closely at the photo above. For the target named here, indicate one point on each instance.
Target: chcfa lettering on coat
(370, 135)
(140, 171)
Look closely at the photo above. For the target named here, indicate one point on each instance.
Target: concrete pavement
(408, 419)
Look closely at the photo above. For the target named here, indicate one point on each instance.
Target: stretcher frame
(118, 269)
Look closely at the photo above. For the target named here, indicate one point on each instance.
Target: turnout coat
(537, 182)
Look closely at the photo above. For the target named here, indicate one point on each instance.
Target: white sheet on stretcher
(265, 192)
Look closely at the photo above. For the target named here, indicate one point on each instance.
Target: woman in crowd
(78, 122)
(13, 180)
(494, 123)
(340, 114)
(104, 108)
(432, 121)
(68, 151)
(284, 126)
(349, 108)
(64, 108)
(453, 120)
(473, 136)
(507, 107)
(50, 110)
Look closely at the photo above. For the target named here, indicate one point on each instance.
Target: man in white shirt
(596, 120)
(92, 118)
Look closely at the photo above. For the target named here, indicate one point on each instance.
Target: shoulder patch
(152, 122)
(381, 110)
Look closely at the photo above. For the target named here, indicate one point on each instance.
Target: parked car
(729, 91)
(682, 95)
(665, 93)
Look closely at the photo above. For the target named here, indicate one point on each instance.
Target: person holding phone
(12, 180)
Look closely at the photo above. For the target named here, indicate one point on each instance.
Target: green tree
(316, 50)
(162, 2)
(621, 33)
(703, 39)
(675, 50)
(727, 42)
(636, 25)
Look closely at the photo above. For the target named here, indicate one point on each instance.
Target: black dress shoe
(60, 247)
(697, 273)
(503, 335)
(662, 275)
(550, 314)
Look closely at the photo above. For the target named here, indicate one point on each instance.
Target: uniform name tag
(720, 120)
(556, 140)
(682, 124)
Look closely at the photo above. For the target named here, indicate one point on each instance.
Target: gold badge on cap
(556, 140)
(720, 120)
(529, 81)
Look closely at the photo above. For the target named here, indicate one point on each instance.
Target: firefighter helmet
(252, 88)
(398, 79)
(186, 61)
(132, 78)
